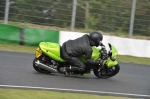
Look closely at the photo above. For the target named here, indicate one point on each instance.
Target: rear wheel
(40, 70)
(107, 72)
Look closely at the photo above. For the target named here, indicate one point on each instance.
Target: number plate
(38, 52)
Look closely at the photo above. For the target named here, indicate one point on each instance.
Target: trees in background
(2, 9)
(104, 15)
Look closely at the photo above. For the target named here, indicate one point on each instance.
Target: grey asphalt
(16, 69)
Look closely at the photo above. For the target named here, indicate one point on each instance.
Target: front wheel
(107, 72)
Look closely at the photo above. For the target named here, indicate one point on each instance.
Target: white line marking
(75, 90)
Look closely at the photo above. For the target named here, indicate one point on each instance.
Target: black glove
(101, 44)
(101, 62)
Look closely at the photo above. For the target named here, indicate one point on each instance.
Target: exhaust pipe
(43, 66)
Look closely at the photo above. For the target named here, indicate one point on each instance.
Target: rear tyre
(107, 72)
(40, 70)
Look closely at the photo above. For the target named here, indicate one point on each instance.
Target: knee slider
(81, 69)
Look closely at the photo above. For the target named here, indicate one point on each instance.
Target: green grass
(17, 48)
(131, 59)
(42, 94)
(31, 49)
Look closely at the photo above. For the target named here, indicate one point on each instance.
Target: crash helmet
(96, 37)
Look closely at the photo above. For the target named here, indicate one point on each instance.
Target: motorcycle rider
(72, 49)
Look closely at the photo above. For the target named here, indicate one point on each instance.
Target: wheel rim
(106, 72)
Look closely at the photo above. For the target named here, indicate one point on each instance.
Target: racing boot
(67, 70)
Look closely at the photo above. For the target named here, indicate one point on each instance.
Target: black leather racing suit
(72, 49)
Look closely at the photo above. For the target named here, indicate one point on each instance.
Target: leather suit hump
(78, 46)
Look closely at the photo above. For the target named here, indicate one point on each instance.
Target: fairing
(114, 50)
(52, 50)
(95, 54)
(109, 62)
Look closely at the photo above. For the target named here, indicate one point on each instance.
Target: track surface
(16, 69)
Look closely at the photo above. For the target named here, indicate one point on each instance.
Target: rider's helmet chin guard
(96, 37)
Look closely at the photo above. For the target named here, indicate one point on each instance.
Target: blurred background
(126, 18)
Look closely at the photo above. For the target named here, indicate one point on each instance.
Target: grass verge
(42, 94)
(31, 49)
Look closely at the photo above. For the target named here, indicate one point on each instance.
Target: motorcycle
(48, 60)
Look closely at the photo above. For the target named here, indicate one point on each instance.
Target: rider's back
(79, 46)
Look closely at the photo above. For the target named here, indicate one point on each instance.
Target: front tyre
(40, 70)
(107, 72)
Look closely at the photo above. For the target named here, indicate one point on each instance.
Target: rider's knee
(81, 69)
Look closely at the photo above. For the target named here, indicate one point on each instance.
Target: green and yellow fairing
(52, 50)
(111, 61)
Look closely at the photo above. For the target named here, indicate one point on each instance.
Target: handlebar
(104, 55)
(101, 44)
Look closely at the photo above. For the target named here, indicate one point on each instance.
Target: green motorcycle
(48, 60)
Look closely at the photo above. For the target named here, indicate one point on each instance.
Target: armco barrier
(9, 34)
(34, 36)
(27, 36)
